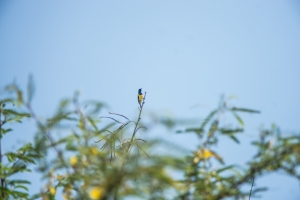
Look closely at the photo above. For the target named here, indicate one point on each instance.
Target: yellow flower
(52, 190)
(73, 160)
(202, 154)
(196, 159)
(96, 193)
(94, 151)
(206, 153)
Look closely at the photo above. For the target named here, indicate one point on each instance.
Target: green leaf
(14, 87)
(17, 194)
(26, 147)
(238, 119)
(11, 156)
(4, 131)
(21, 186)
(207, 119)
(27, 159)
(262, 189)
(231, 131)
(2, 102)
(70, 145)
(234, 139)
(12, 112)
(244, 110)
(13, 182)
(220, 160)
(197, 130)
(213, 128)
(200, 130)
(63, 104)
(93, 123)
(57, 118)
(225, 168)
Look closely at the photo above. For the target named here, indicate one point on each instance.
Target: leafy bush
(101, 157)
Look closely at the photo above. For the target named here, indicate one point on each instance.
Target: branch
(137, 123)
(251, 188)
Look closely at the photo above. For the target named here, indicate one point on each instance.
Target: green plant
(84, 156)
(205, 179)
(95, 160)
(16, 161)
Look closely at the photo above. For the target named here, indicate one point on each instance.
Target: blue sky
(183, 53)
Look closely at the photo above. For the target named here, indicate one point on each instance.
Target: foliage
(203, 181)
(19, 160)
(103, 157)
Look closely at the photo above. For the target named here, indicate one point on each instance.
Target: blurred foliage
(13, 163)
(103, 157)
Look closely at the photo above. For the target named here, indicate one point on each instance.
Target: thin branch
(101, 139)
(141, 127)
(137, 123)
(114, 149)
(142, 149)
(104, 136)
(131, 140)
(104, 146)
(121, 127)
(111, 152)
(109, 131)
(2, 179)
(119, 115)
(136, 162)
(113, 119)
(118, 140)
(251, 188)
(141, 140)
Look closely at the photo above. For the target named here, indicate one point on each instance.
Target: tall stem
(137, 123)
(135, 129)
(251, 187)
(2, 178)
(130, 143)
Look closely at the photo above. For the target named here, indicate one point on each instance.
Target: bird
(140, 97)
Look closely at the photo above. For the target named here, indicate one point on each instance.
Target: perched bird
(140, 96)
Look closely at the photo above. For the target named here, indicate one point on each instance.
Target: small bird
(140, 97)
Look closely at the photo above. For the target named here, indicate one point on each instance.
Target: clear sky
(183, 53)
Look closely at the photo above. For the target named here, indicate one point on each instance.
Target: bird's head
(140, 91)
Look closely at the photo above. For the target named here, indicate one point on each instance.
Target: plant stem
(137, 124)
(130, 143)
(135, 128)
(251, 188)
(2, 178)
